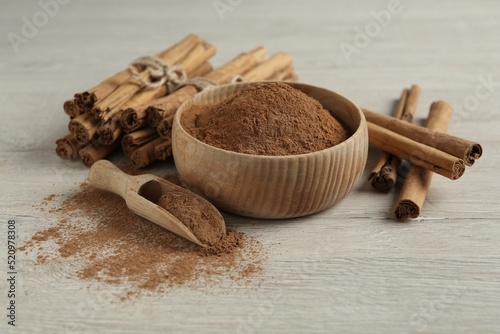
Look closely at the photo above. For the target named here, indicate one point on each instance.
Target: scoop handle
(106, 176)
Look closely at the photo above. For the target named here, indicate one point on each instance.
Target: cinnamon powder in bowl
(254, 121)
(270, 150)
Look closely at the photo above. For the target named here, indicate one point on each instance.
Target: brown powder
(199, 216)
(266, 119)
(112, 245)
(231, 241)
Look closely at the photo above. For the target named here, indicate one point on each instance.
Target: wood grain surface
(349, 269)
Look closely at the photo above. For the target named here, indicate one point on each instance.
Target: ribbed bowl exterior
(273, 187)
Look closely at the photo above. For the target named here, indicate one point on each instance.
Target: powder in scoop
(201, 218)
(267, 119)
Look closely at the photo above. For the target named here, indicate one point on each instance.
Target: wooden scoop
(141, 193)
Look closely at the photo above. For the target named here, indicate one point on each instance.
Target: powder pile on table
(117, 247)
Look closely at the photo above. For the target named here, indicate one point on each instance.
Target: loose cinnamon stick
(68, 147)
(410, 108)
(83, 127)
(131, 141)
(93, 152)
(418, 180)
(144, 155)
(384, 175)
(416, 153)
(164, 150)
(461, 148)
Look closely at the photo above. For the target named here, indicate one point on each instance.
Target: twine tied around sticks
(173, 76)
(160, 73)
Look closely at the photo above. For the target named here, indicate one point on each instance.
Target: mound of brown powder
(266, 119)
(201, 218)
(114, 246)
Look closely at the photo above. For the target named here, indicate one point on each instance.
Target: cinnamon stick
(418, 180)
(87, 99)
(166, 106)
(286, 74)
(138, 99)
(164, 150)
(461, 148)
(291, 77)
(410, 108)
(197, 57)
(68, 147)
(70, 108)
(384, 174)
(239, 65)
(415, 152)
(144, 155)
(94, 152)
(202, 70)
(109, 132)
(83, 127)
(133, 118)
(131, 141)
(164, 129)
(276, 63)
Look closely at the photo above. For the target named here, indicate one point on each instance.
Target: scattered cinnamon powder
(112, 245)
(199, 216)
(267, 119)
(49, 197)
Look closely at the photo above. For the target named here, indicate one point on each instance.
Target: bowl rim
(182, 109)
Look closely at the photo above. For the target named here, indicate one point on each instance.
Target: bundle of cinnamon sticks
(429, 149)
(123, 112)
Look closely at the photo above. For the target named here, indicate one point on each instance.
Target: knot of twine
(160, 73)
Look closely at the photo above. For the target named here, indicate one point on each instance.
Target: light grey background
(349, 269)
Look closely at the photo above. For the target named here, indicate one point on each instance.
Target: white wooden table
(349, 269)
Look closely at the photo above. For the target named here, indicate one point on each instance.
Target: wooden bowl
(273, 186)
